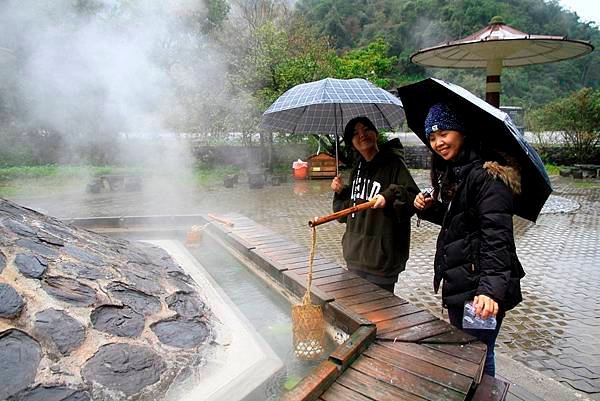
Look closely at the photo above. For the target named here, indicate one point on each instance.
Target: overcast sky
(587, 10)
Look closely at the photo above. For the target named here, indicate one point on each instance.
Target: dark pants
(386, 283)
(387, 287)
(488, 337)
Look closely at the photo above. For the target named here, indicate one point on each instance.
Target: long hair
(349, 129)
(443, 186)
(443, 180)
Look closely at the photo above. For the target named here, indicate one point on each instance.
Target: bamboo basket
(308, 324)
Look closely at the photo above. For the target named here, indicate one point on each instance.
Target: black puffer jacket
(475, 252)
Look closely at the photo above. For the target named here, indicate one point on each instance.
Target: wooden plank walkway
(413, 355)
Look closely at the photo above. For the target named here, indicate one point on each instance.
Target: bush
(577, 118)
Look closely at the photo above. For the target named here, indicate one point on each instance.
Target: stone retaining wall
(248, 157)
(564, 156)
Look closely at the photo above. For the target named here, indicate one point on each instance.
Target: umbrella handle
(337, 159)
(334, 216)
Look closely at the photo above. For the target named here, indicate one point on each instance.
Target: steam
(120, 74)
(430, 32)
(85, 70)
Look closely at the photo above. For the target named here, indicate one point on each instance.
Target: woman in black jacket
(472, 201)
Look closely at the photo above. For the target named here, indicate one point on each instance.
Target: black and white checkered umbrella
(325, 106)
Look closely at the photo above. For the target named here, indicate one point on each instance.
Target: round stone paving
(2, 261)
(124, 368)
(186, 304)
(70, 332)
(181, 333)
(69, 290)
(118, 320)
(19, 358)
(31, 266)
(135, 299)
(560, 204)
(51, 393)
(11, 302)
(80, 270)
(57, 326)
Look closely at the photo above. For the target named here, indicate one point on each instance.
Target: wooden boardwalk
(397, 351)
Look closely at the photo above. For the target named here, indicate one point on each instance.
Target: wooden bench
(588, 170)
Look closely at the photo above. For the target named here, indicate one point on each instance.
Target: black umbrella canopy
(491, 126)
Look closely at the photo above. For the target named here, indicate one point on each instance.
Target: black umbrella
(494, 129)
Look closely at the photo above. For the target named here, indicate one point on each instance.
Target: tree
(216, 14)
(269, 50)
(577, 117)
(410, 25)
(279, 58)
(371, 62)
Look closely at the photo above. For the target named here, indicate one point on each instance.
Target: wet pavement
(555, 330)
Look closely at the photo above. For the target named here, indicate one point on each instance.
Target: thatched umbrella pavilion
(499, 45)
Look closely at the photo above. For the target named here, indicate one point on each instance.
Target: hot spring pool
(265, 310)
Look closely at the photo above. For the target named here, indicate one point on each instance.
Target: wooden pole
(334, 216)
(220, 220)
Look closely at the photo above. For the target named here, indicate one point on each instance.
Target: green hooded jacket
(377, 241)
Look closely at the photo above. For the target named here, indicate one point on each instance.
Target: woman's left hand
(485, 306)
(379, 203)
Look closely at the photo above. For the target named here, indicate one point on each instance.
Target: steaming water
(267, 310)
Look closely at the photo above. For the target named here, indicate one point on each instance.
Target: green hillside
(409, 25)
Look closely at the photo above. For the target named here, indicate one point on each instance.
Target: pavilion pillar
(493, 84)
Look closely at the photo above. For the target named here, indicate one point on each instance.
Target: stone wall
(418, 157)
(84, 316)
(250, 156)
(564, 156)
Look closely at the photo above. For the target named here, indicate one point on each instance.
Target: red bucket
(300, 169)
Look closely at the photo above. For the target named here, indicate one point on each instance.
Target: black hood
(392, 149)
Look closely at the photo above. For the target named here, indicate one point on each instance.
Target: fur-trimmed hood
(509, 174)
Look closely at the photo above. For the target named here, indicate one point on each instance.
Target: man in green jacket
(376, 242)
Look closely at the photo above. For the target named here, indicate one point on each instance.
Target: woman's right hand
(422, 202)
(337, 184)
